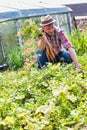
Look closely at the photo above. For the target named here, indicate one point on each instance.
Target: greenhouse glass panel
(9, 35)
(63, 22)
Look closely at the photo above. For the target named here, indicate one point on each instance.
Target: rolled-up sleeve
(64, 40)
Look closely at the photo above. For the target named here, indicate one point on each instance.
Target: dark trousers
(42, 58)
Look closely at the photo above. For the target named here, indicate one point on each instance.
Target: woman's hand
(77, 66)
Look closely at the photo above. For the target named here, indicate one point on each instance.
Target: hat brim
(47, 23)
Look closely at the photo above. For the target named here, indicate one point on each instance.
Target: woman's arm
(68, 46)
(74, 57)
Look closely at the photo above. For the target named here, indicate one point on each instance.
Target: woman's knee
(41, 58)
(66, 56)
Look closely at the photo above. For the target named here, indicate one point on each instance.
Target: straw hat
(46, 20)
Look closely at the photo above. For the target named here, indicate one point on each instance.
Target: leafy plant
(79, 41)
(15, 59)
(30, 29)
(51, 99)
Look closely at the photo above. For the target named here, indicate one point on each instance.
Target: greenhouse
(13, 13)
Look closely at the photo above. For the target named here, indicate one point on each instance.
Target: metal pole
(2, 48)
(19, 36)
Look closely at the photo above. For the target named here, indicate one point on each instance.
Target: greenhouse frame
(13, 13)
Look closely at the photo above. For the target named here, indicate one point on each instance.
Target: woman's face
(49, 29)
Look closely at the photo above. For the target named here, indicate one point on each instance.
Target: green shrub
(30, 29)
(79, 41)
(52, 99)
(15, 59)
